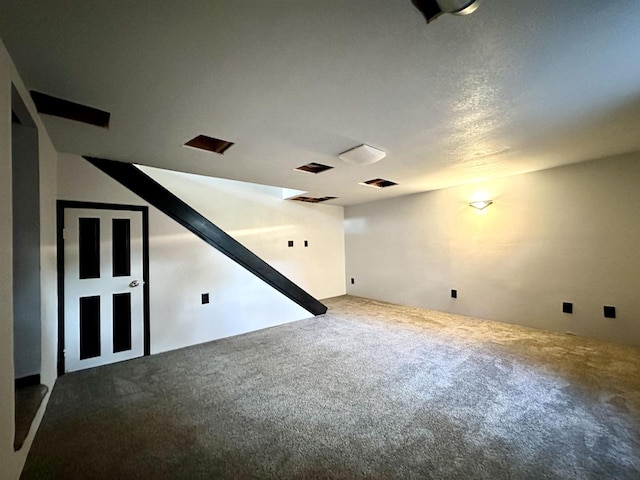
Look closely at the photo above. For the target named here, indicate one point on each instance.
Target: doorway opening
(27, 345)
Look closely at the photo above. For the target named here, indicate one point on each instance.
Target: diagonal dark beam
(165, 201)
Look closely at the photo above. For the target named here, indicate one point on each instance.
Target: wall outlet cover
(567, 307)
(609, 312)
(205, 298)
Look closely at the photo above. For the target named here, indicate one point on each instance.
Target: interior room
(336, 239)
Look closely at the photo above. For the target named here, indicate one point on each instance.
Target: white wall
(11, 462)
(27, 358)
(566, 234)
(258, 217)
(182, 266)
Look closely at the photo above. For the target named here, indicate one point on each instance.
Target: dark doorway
(27, 349)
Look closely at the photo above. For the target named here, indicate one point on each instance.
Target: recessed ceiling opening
(313, 167)
(378, 183)
(209, 144)
(73, 111)
(313, 199)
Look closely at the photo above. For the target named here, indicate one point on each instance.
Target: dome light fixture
(362, 155)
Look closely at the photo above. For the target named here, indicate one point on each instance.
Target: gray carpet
(369, 390)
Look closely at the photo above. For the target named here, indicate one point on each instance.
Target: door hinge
(64, 233)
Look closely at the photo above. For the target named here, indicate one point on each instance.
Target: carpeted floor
(27, 403)
(369, 390)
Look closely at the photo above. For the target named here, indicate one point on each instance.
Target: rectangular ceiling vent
(313, 168)
(209, 144)
(313, 199)
(58, 107)
(379, 183)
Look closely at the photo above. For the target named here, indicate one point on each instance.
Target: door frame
(61, 205)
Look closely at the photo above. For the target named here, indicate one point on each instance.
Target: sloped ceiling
(515, 87)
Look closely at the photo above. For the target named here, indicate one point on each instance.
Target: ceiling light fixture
(459, 7)
(362, 155)
(432, 9)
(480, 204)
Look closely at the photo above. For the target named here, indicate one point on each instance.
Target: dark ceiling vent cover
(209, 144)
(313, 199)
(313, 168)
(379, 183)
(73, 111)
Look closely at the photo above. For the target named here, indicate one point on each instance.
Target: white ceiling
(515, 87)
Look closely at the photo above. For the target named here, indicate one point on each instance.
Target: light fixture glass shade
(480, 204)
(458, 7)
(362, 155)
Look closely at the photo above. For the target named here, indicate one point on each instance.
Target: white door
(103, 287)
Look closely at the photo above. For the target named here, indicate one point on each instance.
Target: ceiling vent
(210, 144)
(362, 155)
(58, 107)
(379, 183)
(313, 167)
(313, 199)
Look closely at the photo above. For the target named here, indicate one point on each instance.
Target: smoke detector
(362, 155)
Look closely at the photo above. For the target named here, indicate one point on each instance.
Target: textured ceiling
(515, 87)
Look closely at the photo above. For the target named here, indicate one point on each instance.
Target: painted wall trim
(165, 201)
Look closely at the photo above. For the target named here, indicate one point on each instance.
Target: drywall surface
(568, 234)
(26, 250)
(182, 266)
(11, 462)
(258, 217)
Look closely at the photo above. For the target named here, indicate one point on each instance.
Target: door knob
(134, 284)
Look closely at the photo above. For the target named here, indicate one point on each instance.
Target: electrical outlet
(454, 293)
(353, 281)
(609, 312)
(306, 243)
(205, 298)
(291, 243)
(567, 307)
